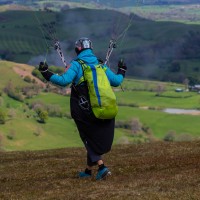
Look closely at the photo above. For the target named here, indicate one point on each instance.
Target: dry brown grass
(140, 172)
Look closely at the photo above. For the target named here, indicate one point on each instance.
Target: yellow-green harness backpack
(102, 98)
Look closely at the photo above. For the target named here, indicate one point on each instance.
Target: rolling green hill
(139, 104)
(166, 51)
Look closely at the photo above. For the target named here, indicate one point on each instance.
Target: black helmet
(82, 43)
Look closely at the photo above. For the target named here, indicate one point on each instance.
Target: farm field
(26, 36)
(180, 13)
(138, 101)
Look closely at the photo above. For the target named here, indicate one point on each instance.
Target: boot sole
(105, 175)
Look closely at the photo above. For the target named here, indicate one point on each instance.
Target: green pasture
(168, 99)
(21, 35)
(62, 132)
(22, 131)
(8, 75)
(54, 99)
(58, 4)
(148, 85)
(26, 34)
(21, 32)
(29, 134)
(146, 46)
(167, 13)
(161, 123)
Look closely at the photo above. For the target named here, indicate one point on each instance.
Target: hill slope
(22, 131)
(167, 51)
(16, 72)
(151, 171)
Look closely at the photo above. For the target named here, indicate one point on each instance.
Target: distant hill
(119, 3)
(111, 3)
(167, 51)
(144, 171)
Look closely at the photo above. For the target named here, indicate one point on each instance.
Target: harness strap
(84, 66)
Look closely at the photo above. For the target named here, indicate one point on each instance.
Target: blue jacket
(75, 72)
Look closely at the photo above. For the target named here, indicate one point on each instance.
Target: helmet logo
(81, 44)
(86, 44)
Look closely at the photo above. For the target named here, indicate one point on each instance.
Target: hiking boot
(103, 174)
(84, 175)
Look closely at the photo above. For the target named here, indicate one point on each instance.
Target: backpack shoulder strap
(82, 63)
(103, 67)
(83, 66)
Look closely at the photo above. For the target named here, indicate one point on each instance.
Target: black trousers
(92, 157)
(96, 134)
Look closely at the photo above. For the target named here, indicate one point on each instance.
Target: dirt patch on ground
(161, 170)
(26, 70)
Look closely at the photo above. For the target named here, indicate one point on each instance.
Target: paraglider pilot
(96, 134)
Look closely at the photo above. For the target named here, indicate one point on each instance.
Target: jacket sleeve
(67, 77)
(115, 79)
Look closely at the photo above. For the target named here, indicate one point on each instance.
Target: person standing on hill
(96, 134)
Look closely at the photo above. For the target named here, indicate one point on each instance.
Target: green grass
(7, 74)
(52, 98)
(178, 13)
(57, 133)
(62, 132)
(27, 37)
(20, 31)
(187, 100)
(161, 123)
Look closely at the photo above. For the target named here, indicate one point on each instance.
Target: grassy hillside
(167, 51)
(152, 171)
(178, 13)
(138, 102)
(21, 130)
(16, 72)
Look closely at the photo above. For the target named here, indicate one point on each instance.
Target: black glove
(121, 67)
(44, 69)
(100, 61)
